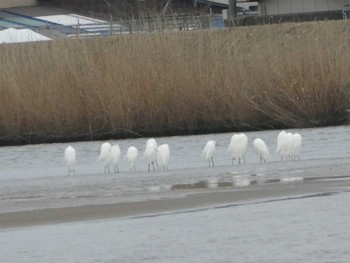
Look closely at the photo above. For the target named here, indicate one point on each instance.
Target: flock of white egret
(288, 147)
(111, 155)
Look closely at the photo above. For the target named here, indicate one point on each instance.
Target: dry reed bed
(288, 75)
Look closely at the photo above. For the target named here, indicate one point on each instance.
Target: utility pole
(232, 9)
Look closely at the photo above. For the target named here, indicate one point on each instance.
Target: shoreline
(191, 202)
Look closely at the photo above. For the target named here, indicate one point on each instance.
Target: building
(17, 3)
(283, 7)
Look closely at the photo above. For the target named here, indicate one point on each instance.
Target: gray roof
(35, 11)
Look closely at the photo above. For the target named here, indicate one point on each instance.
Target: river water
(46, 159)
(309, 227)
(314, 229)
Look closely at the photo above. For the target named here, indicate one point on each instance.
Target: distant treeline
(234, 79)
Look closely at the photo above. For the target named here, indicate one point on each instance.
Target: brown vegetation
(288, 75)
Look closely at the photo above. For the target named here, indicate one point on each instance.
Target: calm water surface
(312, 230)
(47, 159)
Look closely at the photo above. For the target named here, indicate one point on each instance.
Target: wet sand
(207, 199)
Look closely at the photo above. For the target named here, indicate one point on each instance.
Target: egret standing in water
(238, 147)
(288, 145)
(70, 159)
(261, 149)
(209, 150)
(289, 141)
(105, 156)
(131, 156)
(295, 146)
(163, 155)
(282, 144)
(232, 147)
(115, 156)
(151, 153)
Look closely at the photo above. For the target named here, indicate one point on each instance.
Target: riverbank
(156, 84)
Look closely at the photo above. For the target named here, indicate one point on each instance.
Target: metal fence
(299, 17)
(174, 23)
(148, 24)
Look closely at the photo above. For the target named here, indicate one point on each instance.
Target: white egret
(261, 149)
(232, 146)
(209, 150)
(131, 156)
(163, 156)
(115, 157)
(295, 146)
(105, 156)
(70, 159)
(289, 141)
(238, 147)
(288, 145)
(282, 144)
(151, 153)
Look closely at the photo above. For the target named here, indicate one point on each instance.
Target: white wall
(310, 5)
(274, 7)
(296, 6)
(15, 3)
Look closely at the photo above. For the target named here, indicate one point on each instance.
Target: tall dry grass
(288, 75)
